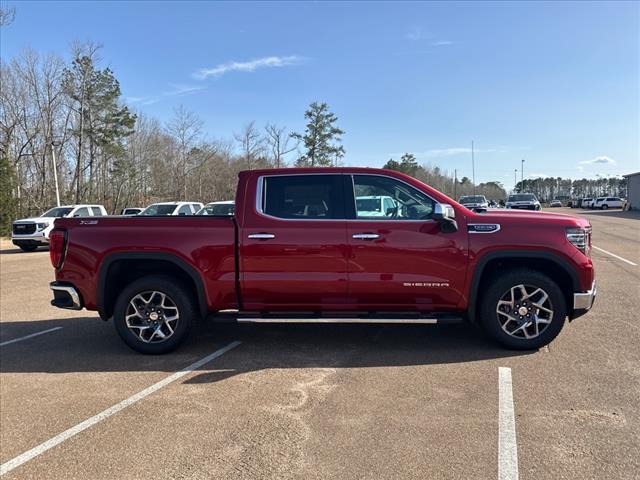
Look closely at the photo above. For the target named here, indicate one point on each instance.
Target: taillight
(57, 239)
(580, 238)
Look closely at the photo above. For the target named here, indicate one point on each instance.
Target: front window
(184, 210)
(384, 198)
(303, 196)
(522, 197)
(57, 212)
(158, 209)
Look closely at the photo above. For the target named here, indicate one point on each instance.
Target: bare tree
(251, 144)
(186, 129)
(7, 15)
(278, 141)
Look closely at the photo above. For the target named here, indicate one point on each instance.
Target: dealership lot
(322, 401)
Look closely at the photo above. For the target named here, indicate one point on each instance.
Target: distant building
(633, 190)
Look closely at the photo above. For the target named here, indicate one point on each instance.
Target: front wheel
(523, 309)
(605, 206)
(154, 314)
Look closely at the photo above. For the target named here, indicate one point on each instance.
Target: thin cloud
(177, 90)
(249, 66)
(601, 160)
(417, 33)
(441, 43)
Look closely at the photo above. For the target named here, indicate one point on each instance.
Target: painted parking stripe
(67, 434)
(8, 342)
(507, 446)
(615, 256)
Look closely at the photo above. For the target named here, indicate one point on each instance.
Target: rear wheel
(523, 309)
(154, 314)
(28, 248)
(605, 206)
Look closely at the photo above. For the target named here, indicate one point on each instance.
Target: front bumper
(66, 296)
(583, 301)
(36, 238)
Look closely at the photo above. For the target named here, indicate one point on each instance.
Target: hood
(36, 220)
(529, 218)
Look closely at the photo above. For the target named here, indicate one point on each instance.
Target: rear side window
(303, 196)
(184, 210)
(96, 211)
(82, 212)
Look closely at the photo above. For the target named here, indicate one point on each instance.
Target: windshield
(473, 199)
(158, 209)
(369, 204)
(224, 209)
(57, 212)
(523, 197)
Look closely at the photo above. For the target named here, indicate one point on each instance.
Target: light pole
(455, 183)
(522, 172)
(54, 144)
(473, 168)
(515, 179)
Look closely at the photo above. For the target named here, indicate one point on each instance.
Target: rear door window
(96, 211)
(82, 212)
(303, 197)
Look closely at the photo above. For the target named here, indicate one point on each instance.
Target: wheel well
(119, 273)
(548, 267)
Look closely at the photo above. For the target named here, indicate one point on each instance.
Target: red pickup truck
(328, 245)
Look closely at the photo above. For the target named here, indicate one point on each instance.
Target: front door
(399, 258)
(293, 244)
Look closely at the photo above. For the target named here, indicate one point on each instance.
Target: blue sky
(554, 83)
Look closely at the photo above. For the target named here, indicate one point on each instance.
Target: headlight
(580, 238)
(42, 226)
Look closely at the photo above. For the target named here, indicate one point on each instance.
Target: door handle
(365, 236)
(261, 236)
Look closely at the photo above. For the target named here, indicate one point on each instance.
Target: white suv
(171, 208)
(30, 233)
(603, 203)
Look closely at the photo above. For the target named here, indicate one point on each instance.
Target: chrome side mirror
(446, 216)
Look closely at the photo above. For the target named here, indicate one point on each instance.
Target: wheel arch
(550, 264)
(112, 277)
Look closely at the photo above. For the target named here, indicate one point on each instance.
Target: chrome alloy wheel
(152, 316)
(524, 311)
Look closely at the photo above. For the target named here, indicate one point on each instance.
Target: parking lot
(322, 401)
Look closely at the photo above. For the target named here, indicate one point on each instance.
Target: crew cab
(300, 249)
(30, 233)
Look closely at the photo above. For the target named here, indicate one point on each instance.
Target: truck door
(293, 243)
(401, 259)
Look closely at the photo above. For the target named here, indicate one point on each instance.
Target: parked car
(587, 202)
(171, 208)
(131, 211)
(603, 203)
(474, 201)
(376, 206)
(225, 208)
(30, 233)
(523, 201)
(299, 249)
(555, 203)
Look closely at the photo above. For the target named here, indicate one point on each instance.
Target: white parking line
(615, 256)
(8, 342)
(67, 434)
(507, 446)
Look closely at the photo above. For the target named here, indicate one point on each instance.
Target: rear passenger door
(293, 244)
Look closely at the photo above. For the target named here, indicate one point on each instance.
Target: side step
(337, 317)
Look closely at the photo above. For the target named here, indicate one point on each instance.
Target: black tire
(501, 285)
(178, 295)
(28, 248)
(604, 207)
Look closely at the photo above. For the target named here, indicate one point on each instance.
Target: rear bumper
(65, 296)
(583, 301)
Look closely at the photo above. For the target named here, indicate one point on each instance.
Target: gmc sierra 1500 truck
(300, 249)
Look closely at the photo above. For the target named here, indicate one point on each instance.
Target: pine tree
(321, 139)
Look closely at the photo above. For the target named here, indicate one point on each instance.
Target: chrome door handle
(261, 236)
(365, 236)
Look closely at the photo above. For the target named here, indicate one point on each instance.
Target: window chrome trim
(259, 205)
